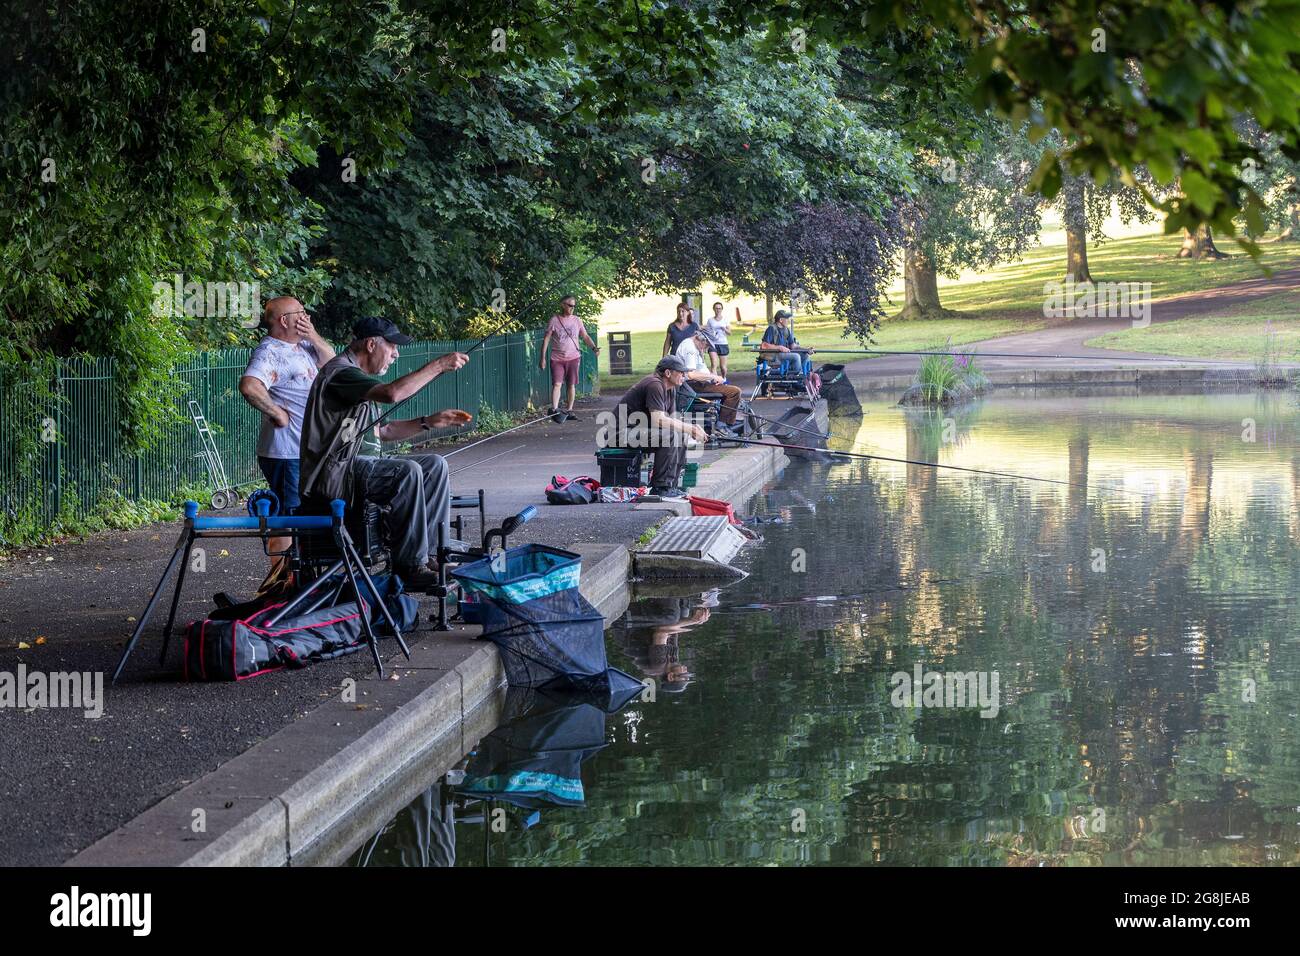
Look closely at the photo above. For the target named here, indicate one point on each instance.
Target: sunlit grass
(1243, 332)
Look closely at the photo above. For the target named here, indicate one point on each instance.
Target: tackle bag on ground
(572, 491)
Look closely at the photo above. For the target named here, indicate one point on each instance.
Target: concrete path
(69, 780)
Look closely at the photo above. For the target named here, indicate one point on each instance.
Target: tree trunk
(920, 288)
(1199, 245)
(1076, 232)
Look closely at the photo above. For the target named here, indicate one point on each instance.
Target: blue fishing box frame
(265, 526)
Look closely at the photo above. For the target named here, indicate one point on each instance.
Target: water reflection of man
(654, 627)
(422, 835)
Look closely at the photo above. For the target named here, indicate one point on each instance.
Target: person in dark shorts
(648, 415)
(718, 329)
(276, 382)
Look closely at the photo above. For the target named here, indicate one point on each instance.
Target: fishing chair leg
(181, 549)
(383, 608)
(365, 614)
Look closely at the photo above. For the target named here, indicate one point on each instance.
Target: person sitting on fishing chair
(647, 413)
(778, 338)
(340, 446)
(692, 352)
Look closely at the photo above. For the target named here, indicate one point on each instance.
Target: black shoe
(420, 579)
(569, 416)
(668, 492)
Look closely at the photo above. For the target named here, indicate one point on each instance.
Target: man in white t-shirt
(276, 382)
(692, 351)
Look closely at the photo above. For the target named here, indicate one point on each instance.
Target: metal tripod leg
(176, 600)
(181, 548)
(311, 589)
(383, 608)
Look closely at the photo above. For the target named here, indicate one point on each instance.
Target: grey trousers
(417, 493)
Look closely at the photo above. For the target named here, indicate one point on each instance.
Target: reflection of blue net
(535, 757)
(548, 633)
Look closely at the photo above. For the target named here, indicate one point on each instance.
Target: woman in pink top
(562, 335)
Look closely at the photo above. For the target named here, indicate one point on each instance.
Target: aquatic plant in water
(944, 377)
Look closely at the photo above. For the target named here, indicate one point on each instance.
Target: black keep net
(549, 635)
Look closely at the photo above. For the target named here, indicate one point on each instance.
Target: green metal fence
(79, 459)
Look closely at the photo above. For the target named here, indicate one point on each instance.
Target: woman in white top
(716, 329)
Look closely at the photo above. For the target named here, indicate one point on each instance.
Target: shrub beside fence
(82, 462)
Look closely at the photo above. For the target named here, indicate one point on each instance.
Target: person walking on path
(716, 328)
(680, 329)
(562, 335)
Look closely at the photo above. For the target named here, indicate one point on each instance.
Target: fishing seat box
(620, 467)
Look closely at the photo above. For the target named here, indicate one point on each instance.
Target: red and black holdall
(572, 491)
(237, 650)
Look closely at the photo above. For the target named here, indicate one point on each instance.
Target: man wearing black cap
(340, 444)
(648, 412)
(779, 338)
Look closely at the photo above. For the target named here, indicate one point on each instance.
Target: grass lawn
(1242, 332)
(1019, 285)
(1010, 299)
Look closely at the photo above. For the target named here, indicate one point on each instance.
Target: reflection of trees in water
(1121, 689)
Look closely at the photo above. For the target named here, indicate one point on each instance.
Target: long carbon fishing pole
(927, 464)
(979, 354)
(505, 431)
(483, 461)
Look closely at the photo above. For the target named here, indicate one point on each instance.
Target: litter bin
(620, 353)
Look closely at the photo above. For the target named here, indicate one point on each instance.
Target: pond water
(1140, 624)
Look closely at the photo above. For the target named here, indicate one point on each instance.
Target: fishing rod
(982, 354)
(927, 464)
(505, 431)
(483, 461)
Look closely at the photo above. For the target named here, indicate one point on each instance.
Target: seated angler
(698, 376)
(778, 338)
(340, 444)
(648, 413)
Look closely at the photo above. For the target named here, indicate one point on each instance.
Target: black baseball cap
(782, 314)
(378, 325)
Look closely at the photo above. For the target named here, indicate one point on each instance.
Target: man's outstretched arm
(388, 393)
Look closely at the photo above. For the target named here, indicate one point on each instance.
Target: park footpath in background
(70, 608)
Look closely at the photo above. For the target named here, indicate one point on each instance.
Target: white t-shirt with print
(287, 369)
(689, 353)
